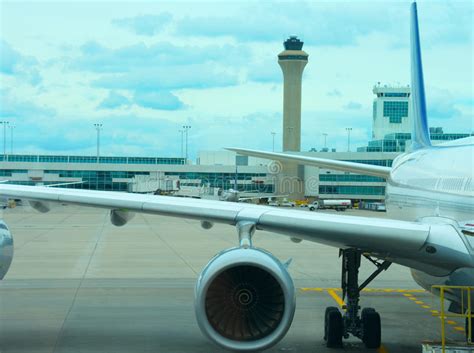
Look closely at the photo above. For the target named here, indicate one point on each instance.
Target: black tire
(311, 208)
(326, 315)
(335, 329)
(372, 330)
(467, 329)
(365, 311)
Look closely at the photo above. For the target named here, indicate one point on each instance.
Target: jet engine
(120, 217)
(6, 249)
(245, 299)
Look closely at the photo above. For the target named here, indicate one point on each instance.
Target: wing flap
(366, 169)
(370, 234)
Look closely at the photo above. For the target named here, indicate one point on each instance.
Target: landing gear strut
(469, 339)
(366, 326)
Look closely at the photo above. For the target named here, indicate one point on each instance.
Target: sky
(145, 69)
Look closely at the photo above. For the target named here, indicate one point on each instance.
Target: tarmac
(80, 284)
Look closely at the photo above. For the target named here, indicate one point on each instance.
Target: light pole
(4, 123)
(349, 129)
(98, 127)
(325, 140)
(186, 128)
(182, 142)
(11, 138)
(273, 140)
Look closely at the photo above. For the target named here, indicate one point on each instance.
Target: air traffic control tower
(292, 62)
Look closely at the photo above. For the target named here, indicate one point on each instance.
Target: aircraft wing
(399, 241)
(344, 166)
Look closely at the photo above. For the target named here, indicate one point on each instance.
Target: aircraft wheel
(467, 329)
(333, 328)
(372, 331)
(365, 311)
(326, 315)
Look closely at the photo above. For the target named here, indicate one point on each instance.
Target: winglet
(420, 135)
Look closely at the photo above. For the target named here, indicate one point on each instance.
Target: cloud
(334, 93)
(264, 73)
(443, 104)
(321, 24)
(446, 22)
(341, 23)
(172, 77)
(438, 109)
(146, 25)
(14, 63)
(9, 58)
(11, 107)
(113, 100)
(98, 58)
(158, 100)
(353, 106)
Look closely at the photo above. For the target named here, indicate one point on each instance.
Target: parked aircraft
(245, 297)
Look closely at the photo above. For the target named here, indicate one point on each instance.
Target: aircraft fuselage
(435, 182)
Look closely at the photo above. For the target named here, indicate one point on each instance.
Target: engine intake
(6, 249)
(245, 299)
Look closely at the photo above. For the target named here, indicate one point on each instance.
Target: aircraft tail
(420, 135)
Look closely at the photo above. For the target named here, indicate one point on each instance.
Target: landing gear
(367, 326)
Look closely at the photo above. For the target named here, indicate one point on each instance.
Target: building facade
(123, 173)
(391, 111)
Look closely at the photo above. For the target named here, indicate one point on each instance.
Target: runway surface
(80, 284)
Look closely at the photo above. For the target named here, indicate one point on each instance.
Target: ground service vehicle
(338, 205)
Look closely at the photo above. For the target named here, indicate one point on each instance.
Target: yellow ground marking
(341, 303)
(367, 290)
(304, 289)
(434, 312)
(336, 298)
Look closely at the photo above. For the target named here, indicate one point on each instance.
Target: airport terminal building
(224, 169)
(216, 169)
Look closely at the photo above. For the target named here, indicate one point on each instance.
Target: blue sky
(144, 69)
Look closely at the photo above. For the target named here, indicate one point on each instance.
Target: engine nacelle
(120, 217)
(40, 206)
(6, 249)
(245, 299)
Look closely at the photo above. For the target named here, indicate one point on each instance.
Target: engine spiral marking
(275, 167)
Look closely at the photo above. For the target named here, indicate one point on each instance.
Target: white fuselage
(435, 182)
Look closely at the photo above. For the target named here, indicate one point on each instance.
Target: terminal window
(395, 111)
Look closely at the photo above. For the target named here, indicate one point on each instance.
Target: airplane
(245, 297)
